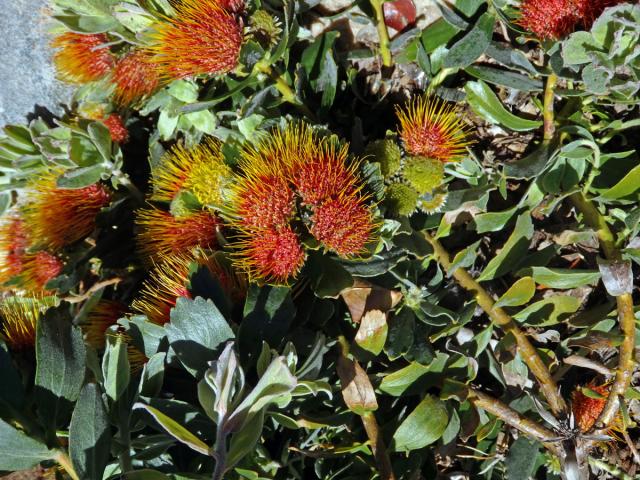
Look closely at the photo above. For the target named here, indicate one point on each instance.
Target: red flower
(38, 269)
(82, 58)
(162, 234)
(203, 39)
(267, 202)
(119, 133)
(56, 217)
(343, 224)
(13, 243)
(272, 255)
(550, 19)
(134, 77)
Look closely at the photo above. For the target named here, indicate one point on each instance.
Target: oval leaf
(423, 426)
(520, 293)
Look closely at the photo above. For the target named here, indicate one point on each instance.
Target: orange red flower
(134, 77)
(430, 128)
(38, 269)
(82, 58)
(13, 243)
(162, 234)
(202, 39)
(56, 217)
(117, 129)
(549, 19)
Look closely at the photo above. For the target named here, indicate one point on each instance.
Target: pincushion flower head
(82, 58)
(202, 39)
(19, 318)
(13, 244)
(56, 217)
(38, 269)
(162, 234)
(117, 129)
(549, 19)
(201, 170)
(134, 77)
(431, 128)
(293, 185)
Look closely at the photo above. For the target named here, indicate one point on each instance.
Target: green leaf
(101, 138)
(398, 382)
(437, 34)
(564, 278)
(629, 185)
(516, 81)
(521, 459)
(115, 368)
(176, 430)
(493, 221)
(518, 294)
(90, 434)
(18, 451)
(60, 369)
(80, 177)
(466, 50)
(183, 90)
(203, 121)
(372, 333)
(486, 104)
(244, 441)
(328, 277)
(88, 23)
(574, 51)
(549, 311)
(513, 251)
(464, 258)
(12, 391)
(423, 426)
(196, 330)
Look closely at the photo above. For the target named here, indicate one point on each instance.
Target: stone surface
(27, 77)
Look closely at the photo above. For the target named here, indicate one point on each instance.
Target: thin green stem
(501, 318)
(549, 128)
(383, 33)
(626, 316)
(281, 84)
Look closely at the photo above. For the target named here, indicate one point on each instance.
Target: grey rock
(27, 76)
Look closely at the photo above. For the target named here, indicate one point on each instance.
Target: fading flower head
(433, 129)
(201, 170)
(134, 77)
(202, 39)
(162, 234)
(167, 282)
(19, 318)
(38, 269)
(56, 217)
(13, 244)
(82, 58)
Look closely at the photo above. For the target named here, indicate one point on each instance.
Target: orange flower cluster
(555, 19)
(82, 58)
(293, 179)
(431, 128)
(202, 39)
(134, 77)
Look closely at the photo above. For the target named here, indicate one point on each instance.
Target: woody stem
(281, 84)
(527, 351)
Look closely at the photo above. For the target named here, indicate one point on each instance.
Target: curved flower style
(82, 58)
(167, 282)
(13, 244)
(291, 179)
(203, 39)
(431, 128)
(134, 77)
(19, 318)
(201, 170)
(163, 235)
(56, 217)
(103, 315)
(38, 269)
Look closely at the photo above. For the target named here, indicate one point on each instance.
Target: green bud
(401, 199)
(424, 174)
(387, 153)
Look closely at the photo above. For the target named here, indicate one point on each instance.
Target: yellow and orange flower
(103, 315)
(167, 282)
(134, 77)
(13, 244)
(19, 319)
(82, 58)
(56, 217)
(201, 170)
(38, 269)
(161, 234)
(202, 39)
(433, 129)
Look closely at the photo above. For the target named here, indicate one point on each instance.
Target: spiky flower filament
(201, 170)
(82, 58)
(161, 234)
(134, 77)
(344, 225)
(117, 129)
(549, 19)
(56, 217)
(166, 283)
(19, 319)
(272, 255)
(13, 243)
(431, 128)
(102, 316)
(38, 269)
(203, 39)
